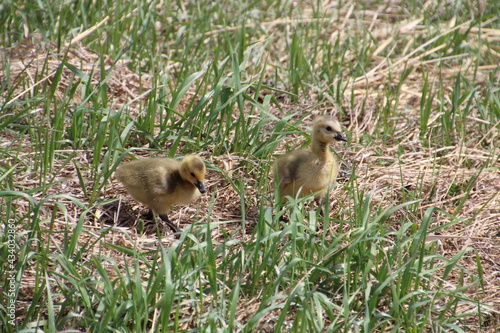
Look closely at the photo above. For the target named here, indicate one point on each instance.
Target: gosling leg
(150, 215)
(172, 226)
(320, 202)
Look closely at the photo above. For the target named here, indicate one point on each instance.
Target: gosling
(313, 170)
(160, 183)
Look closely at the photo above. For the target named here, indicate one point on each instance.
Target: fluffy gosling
(313, 170)
(160, 183)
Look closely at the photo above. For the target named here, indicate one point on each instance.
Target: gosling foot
(172, 226)
(284, 219)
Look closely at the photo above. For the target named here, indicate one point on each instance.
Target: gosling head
(193, 170)
(327, 129)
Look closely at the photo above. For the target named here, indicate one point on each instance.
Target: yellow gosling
(313, 170)
(160, 183)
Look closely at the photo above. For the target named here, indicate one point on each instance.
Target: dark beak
(340, 137)
(201, 187)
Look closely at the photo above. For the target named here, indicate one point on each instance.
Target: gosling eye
(329, 129)
(192, 175)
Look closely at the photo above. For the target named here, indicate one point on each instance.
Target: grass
(407, 240)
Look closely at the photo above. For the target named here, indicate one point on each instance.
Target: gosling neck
(319, 148)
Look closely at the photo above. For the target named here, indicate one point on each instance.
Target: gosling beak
(340, 137)
(201, 187)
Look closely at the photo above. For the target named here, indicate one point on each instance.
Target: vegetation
(408, 240)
